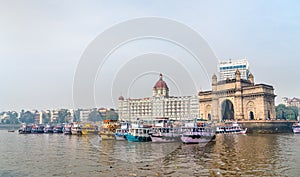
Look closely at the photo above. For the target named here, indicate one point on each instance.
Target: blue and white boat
(138, 135)
(121, 133)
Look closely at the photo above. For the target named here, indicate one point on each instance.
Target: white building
(160, 105)
(84, 115)
(228, 68)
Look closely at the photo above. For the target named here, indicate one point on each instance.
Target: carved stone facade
(237, 99)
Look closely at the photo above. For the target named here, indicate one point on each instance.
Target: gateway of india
(236, 96)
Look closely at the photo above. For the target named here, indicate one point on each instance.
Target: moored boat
(48, 129)
(121, 132)
(165, 134)
(58, 129)
(107, 130)
(230, 128)
(196, 135)
(138, 135)
(76, 129)
(296, 127)
(68, 129)
(89, 129)
(37, 128)
(25, 129)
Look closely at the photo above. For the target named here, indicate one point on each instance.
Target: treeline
(64, 116)
(287, 112)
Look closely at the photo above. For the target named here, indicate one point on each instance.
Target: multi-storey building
(84, 115)
(228, 68)
(291, 102)
(160, 105)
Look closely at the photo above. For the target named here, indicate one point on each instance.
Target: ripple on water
(229, 155)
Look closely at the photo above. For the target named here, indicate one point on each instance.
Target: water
(229, 155)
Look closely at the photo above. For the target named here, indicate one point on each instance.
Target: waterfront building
(53, 115)
(160, 105)
(237, 99)
(228, 68)
(291, 102)
(84, 114)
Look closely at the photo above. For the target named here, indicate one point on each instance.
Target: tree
(63, 114)
(286, 112)
(95, 116)
(27, 117)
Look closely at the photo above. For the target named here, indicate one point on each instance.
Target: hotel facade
(160, 105)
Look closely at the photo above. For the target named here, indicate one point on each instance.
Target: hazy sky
(41, 43)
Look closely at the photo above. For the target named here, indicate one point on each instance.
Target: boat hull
(195, 139)
(296, 130)
(165, 139)
(120, 137)
(132, 138)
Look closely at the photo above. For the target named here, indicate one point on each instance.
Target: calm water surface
(229, 155)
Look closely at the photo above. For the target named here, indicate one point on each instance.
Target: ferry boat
(48, 129)
(230, 128)
(121, 132)
(138, 135)
(25, 129)
(198, 135)
(76, 129)
(296, 127)
(107, 130)
(89, 129)
(164, 131)
(68, 129)
(58, 129)
(165, 135)
(37, 128)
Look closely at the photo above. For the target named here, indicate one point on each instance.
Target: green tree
(95, 116)
(286, 112)
(63, 114)
(27, 117)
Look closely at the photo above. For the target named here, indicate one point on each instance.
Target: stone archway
(227, 110)
(208, 112)
(250, 109)
(251, 115)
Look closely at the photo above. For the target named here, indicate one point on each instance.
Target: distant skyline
(41, 44)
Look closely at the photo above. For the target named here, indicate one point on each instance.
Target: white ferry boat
(230, 128)
(296, 127)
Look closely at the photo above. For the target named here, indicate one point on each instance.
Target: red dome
(121, 98)
(160, 84)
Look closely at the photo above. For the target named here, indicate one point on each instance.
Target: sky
(42, 44)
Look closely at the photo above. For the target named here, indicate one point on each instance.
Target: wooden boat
(89, 129)
(107, 130)
(230, 128)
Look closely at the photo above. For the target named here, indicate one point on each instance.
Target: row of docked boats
(68, 129)
(158, 130)
(163, 131)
